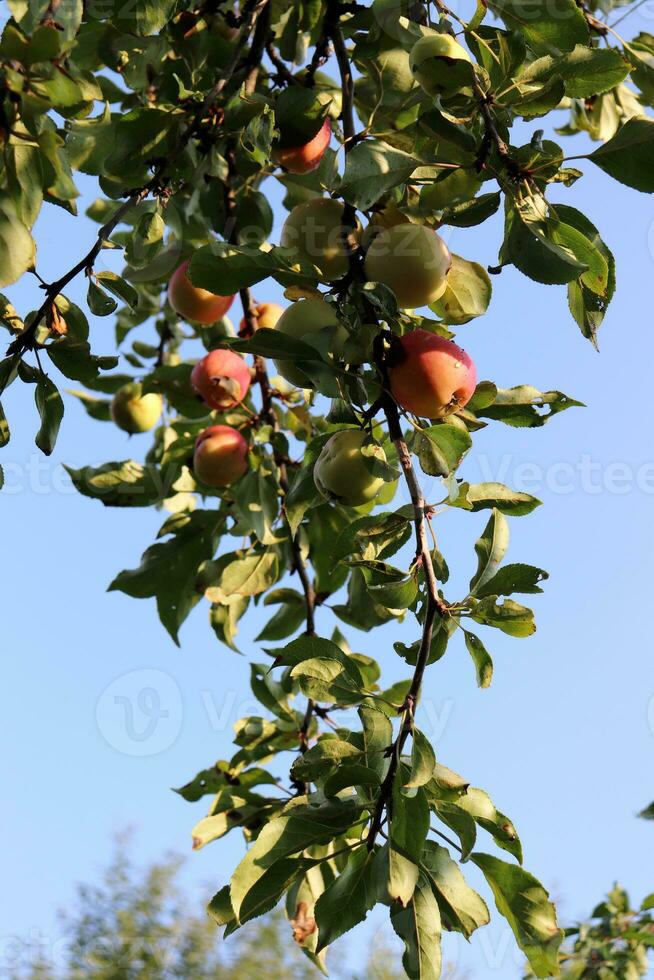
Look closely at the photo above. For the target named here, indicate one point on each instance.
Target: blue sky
(562, 740)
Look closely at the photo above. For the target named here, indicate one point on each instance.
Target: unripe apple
(220, 456)
(305, 158)
(430, 376)
(267, 316)
(133, 411)
(411, 260)
(221, 378)
(315, 231)
(342, 473)
(307, 316)
(193, 303)
(387, 218)
(440, 65)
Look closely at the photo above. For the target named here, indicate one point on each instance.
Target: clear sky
(563, 740)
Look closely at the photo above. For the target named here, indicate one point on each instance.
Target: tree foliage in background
(138, 923)
(176, 108)
(614, 944)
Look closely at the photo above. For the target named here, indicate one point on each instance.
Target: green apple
(307, 316)
(440, 65)
(412, 260)
(133, 411)
(342, 472)
(315, 231)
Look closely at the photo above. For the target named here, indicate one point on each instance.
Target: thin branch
(347, 79)
(492, 135)
(434, 605)
(268, 415)
(280, 66)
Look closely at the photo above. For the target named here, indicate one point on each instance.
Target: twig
(434, 604)
(279, 66)
(267, 414)
(347, 80)
(492, 135)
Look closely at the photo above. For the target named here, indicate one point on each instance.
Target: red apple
(220, 456)
(221, 378)
(267, 316)
(430, 376)
(193, 303)
(305, 158)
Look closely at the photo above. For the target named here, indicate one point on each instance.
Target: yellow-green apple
(132, 411)
(307, 316)
(193, 303)
(430, 376)
(315, 232)
(387, 218)
(440, 65)
(267, 316)
(305, 158)
(343, 473)
(220, 456)
(221, 378)
(412, 260)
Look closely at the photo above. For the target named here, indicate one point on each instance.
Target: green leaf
(97, 408)
(329, 680)
(585, 71)
(509, 616)
(246, 577)
(348, 899)
(481, 659)
(525, 904)
(478, 805)
(409, 826)
(220, 907)
(224, 269)
(350, 775)
(322, 757)
(467, 295)
(371, 169)
(440, 448)
(51, 409)
(17, 249)
(532, 249)
(121, 484)
(546, 29)
(419, 927)
(629, 155)
(301, 826)
(5, 434)
(287, 620)
(491, 549)
(423, 760)
(525, 406)
(587, 305)
(513, 578)
(303, 491)
(119, 287)
(99, 302)
(461, 907)
(194, 540)
(483, 496)
(460, 822)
